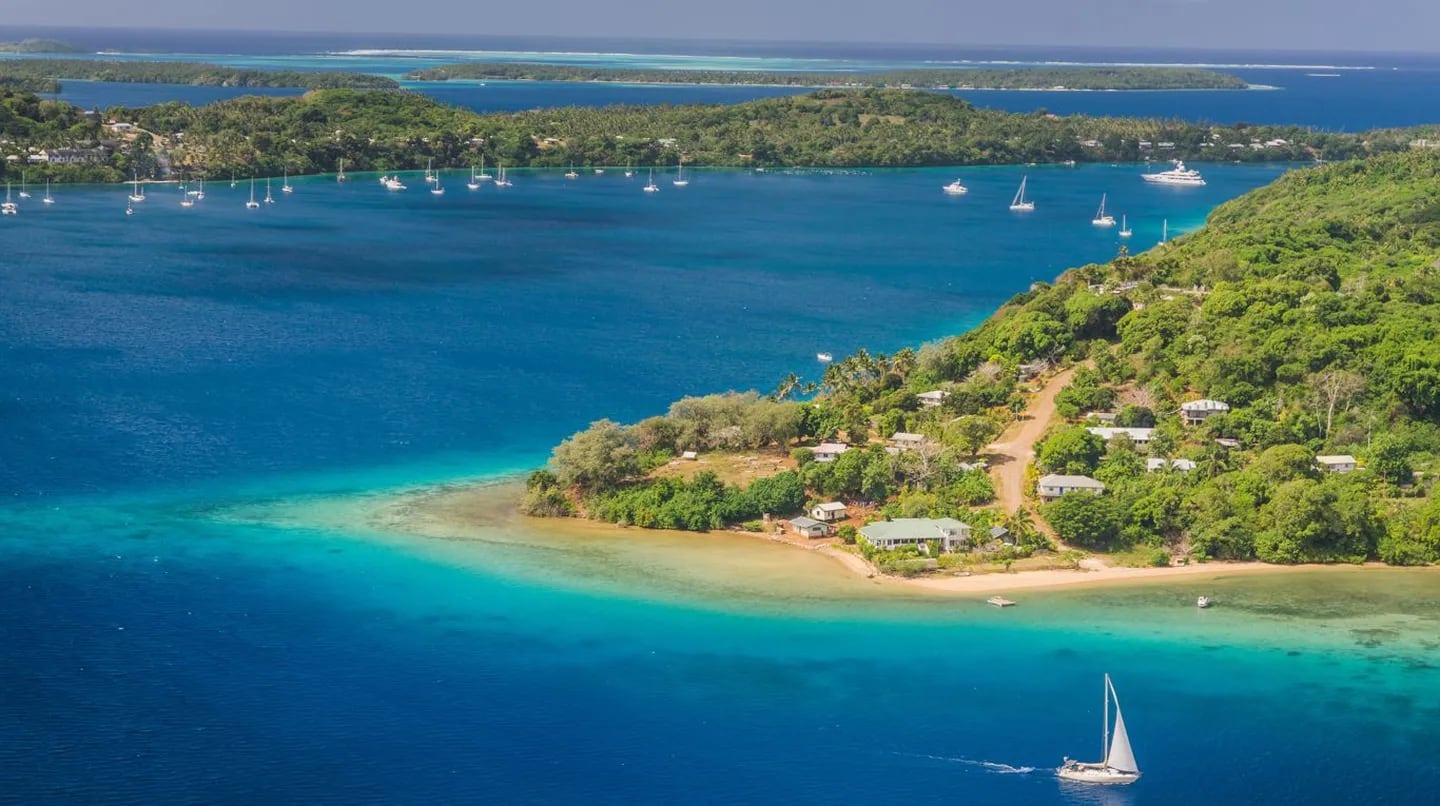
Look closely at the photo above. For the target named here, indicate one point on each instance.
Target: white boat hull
(1082, 773)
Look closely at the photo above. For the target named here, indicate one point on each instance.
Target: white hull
(1162, 179)
(1023, 207)
(955, 188)
(1105, 221)
(1095, 774)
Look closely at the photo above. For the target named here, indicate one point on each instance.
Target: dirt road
(1016, 447)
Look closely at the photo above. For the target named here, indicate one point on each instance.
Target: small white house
(952, 534)
(806, 527)
(1341, 463)
(829, 512)
(932, 398)
(1140, 436)
(1196, 412)
(829, 451)
(1053, 486)
(907, 441)
(689, 456)
(1155, 464)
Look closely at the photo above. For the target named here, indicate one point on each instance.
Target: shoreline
(408, 79)
(483, 511)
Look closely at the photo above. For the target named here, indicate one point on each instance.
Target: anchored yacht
(1179, 175)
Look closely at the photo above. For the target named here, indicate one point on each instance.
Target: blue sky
(1251, 24)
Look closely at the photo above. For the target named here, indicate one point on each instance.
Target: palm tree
(789, 385)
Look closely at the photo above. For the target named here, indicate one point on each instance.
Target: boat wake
(990, 766)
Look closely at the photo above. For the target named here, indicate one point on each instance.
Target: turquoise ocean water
(163, 369)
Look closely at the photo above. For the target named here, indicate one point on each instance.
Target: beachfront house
(808, 527)
(1341, 463)
(1197, 411)
(1139, 436)
(828, 451)
(1155, 464)
(952, 535)
(908, 442)
(1053, 486)
(829, 512)
(932, 398)
(1002, 534)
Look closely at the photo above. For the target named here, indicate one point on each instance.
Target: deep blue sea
(163, 369)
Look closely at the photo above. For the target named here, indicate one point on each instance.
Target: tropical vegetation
(45, 75)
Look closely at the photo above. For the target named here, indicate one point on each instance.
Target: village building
(1340, 463)
(953, 535)
(1155, 464)
(808, 527)
(829, 512)
(1196, 412)
(932, 398)
(1053, 486)
(907, 441)
(1140, 436)
(828, 451)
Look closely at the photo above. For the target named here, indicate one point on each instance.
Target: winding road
(1016, 447)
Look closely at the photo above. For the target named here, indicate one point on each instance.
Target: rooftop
(1056, 480)
(831, 506)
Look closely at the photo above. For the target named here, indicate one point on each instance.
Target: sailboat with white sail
(1119, 766)
(1019, 204)
(1102, 218)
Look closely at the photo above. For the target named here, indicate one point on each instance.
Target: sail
(1121, 757)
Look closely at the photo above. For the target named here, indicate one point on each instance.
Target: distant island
(1267, 389)
(39, 46)
(45, 75)
(396, 131)
(1029, 78)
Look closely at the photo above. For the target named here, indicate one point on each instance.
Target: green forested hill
(1311, 307)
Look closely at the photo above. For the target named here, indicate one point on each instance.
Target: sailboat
(651, 187)
(474, 183)
(1119, 766)
(232, 180)
(24, 194)
(1124, 228)
(502, 181)
(599, 171)
(48, 198)
(9, 207)
(430, 176)
(1164, 230)
(341, 177)
(482, 176)
(185, 199)
(1018, 204)
(438, 190)
(629, 171)
(1102, 218)
(680, 180)
(285, 187)
(572, 173)
(129, 209)
(252, 204)
(136, 194)
(268, 198)
(199, 194)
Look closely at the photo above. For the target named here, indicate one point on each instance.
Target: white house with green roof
(952, 534)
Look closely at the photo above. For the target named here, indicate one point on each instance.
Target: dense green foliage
(39, 46)
(50, 70)
(1081, 78)
(1311, 306)
(27, 118)
(390, 131)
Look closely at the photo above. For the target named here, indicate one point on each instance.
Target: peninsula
(1266, 389)
(1029, 78)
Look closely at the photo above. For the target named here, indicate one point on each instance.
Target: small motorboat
(1204, 601)
(824, 358)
